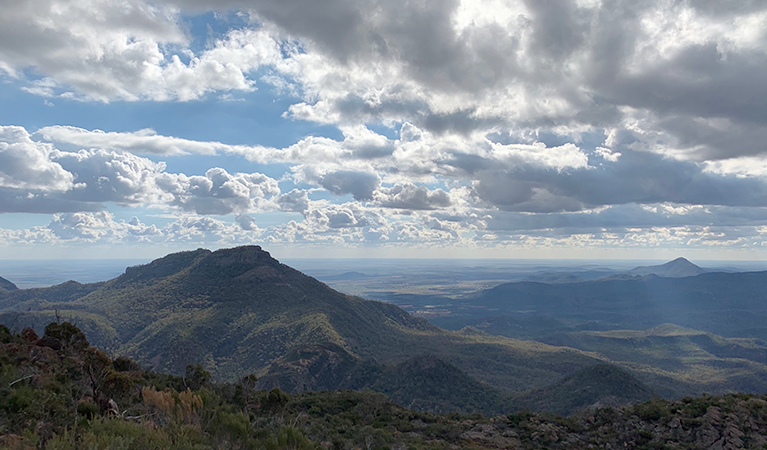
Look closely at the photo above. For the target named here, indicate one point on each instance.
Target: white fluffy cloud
(40, 178)
(460, 66)
(25, 164)
(218, 192)
(129, 50)
(565, 121)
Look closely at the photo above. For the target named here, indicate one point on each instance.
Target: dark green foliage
(68, 336)
(87, 409)
(123, 364)
(602, 384)
(275, 399)
(196, 376)
(47, 401)
(29, 335)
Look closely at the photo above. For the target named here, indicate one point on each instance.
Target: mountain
(7, 285)
(596, 386)
(423, 383)
(726, 304)
(59, 392)
(239, 311)
(678, 361)
(677, 268)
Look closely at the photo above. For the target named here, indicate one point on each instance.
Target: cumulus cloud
(410, 196)
(133, 50)
(515, 173)
(456, 67)
(360, 184)
(503, 117)
(218, 192)
(296, 200)
(25, 164)
(41, 178)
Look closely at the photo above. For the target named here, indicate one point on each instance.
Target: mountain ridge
(678, 268)
(595, 386)
(237, 311)
(7, 285)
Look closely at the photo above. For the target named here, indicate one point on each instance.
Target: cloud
(294, 201)
(360, 184)
(25, 164)
(140, 142)
(572, 121)
(218, 192)
(102, 176)
(459, 67)
(636, 177)
(41, 178)
(412, 197)
(133, 50)
(515, 173)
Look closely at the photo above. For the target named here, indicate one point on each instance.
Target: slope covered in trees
(238, 311)
(58, 392)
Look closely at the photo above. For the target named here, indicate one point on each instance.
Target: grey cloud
(560, 27)
(246, 222)
(293, 201)
(636, 177)
(699, 81)
(720, 8)
(713, 139)
(24, 201)
(359, 184)
(621, 217)
(341, 216)
(410, 196)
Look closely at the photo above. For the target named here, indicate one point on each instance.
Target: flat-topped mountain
(677, 268)
(239, 311)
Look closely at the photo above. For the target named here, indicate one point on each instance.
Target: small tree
(69, 336)
(196, 376)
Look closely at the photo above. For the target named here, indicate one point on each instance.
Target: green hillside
(596, 386)
(423, 383)
(59, 393)
(236, 311)
(678, 361)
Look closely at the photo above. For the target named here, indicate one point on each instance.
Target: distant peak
(678, 268)
(680, 260)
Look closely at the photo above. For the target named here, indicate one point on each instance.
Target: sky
(397, 128)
